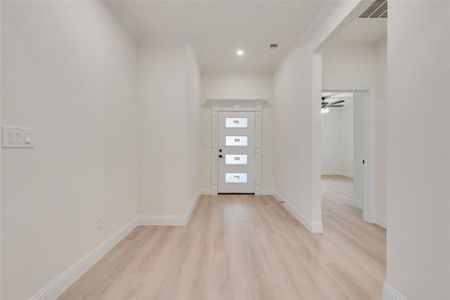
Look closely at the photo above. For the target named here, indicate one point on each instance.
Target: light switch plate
(17, 137)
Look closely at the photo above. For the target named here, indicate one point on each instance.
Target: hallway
(337, 194)
(174, 150)
(244, 247)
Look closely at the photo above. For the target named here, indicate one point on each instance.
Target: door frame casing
(244, 105)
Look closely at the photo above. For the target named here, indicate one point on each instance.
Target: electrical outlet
(100, 222)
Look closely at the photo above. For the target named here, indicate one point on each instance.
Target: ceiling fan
(325, 105)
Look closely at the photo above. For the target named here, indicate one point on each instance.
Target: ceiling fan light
(324, 110)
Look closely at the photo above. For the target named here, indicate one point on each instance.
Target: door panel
(359, 148)
(236, 152)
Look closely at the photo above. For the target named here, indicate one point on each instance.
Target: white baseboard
(380, 221)
(58, 285)
(315, 227)
(170, 220)
(268, 192)
(389, 293)
(188, 214)
(205, 191)
(357, 204)
(336, 173)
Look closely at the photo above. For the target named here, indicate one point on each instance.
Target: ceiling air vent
(378, 9)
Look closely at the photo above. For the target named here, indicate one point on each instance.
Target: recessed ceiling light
(240, 52)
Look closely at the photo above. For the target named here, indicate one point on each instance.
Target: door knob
(220, 150)
(220, 156)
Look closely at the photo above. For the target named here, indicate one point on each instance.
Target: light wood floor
(246, 247)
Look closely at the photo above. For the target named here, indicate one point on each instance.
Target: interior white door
(236, 154)
(360, 148)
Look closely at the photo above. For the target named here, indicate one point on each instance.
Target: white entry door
(236, 153)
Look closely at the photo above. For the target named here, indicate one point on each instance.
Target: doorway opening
(236, 146)
(344, 150)
(354, 59)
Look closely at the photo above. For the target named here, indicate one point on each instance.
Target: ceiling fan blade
(326, 103)
(334, 105)
(339, 101)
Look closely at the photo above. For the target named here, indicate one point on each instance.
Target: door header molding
(235, 104)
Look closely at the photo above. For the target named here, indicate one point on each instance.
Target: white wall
(418, 149)
(381, 126)
(362, 66)
(232, 86)
(169, 104)
(1, 155)
(348, 66)
(293, 127)
(74, 84)
(193, 118)
(337, 142)
(237, 85)
(297, 88)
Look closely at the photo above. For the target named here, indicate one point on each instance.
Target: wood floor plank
(246, 247)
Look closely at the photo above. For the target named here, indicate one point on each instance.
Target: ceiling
(363, 30)
(217, 28)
